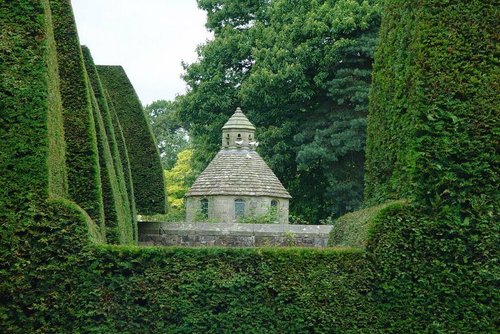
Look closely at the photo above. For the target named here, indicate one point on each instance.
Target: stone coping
(160, 228)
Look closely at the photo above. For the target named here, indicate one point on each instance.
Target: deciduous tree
(301, 72)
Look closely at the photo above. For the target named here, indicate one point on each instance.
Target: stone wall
(221, 208)
(232, 235)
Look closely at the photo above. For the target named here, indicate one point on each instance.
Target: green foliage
(179, 179)
(352, 229)
(119, 228)
(145, 164)
(301, 71)
(175, 290)
(296, 220)
(33, 222)
(171, 135)
(24, 155)
(82, 160)
(270, 217)
(124, 161)
(433, 138)
(434, 105)
(435, 274)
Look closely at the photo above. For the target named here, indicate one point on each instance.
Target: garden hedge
(433, 139)
(34, 217)
(353, 229)
(84, 177)
(434, 273)
(121, 289)
(145, 164)
(125, 162)
(119, 229)
(434, 106)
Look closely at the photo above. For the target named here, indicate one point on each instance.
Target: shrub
(431, 139)
(82, 160)
(434, 274)
(145, 164)
(352, 229)
(125, 162)
(119, 223)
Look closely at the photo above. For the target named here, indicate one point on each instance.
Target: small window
(249, 137)
(274, 209)
(227, 142)
(239, 135)
(227, 135)
(239, 208)
(204, 208)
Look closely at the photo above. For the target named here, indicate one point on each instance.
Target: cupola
(238, 132)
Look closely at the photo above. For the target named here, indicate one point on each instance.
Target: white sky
(149, 38)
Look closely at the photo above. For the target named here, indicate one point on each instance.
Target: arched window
(239, 135)
(274, 203)
(239, 208)
(204, 208)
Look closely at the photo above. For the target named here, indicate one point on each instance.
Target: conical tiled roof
(238, 121)
(238, 172)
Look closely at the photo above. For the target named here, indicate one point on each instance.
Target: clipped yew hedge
(119, 289)
(434, 104)
(82, 159)
(145, 164)
(353, 229)
(125, 162)
(432, 139)
(118, 221)
(434, 273)
(40, 231)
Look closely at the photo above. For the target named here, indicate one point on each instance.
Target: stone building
(237, 182)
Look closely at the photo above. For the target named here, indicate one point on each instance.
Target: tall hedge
(122, 289)
(119, 229)
(433, 137)
(34, 217)
(29, 100)
(434, 103)
(84, 177)
(125, 162)
(145, 164)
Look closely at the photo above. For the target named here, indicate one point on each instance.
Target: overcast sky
(149, 38)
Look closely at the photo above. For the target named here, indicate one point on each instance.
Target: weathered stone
(233, 235)
(236, 173)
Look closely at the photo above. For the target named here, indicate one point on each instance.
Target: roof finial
(238, 111)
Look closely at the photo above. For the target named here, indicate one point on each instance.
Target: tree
(301, 72)
(179, 179)
(170, 133)
(311, 78)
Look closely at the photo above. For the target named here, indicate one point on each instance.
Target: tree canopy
(171, 135)
(301, 72)
(179, 178)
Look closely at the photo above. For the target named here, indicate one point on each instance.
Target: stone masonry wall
(221, 208)
(232, 235)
